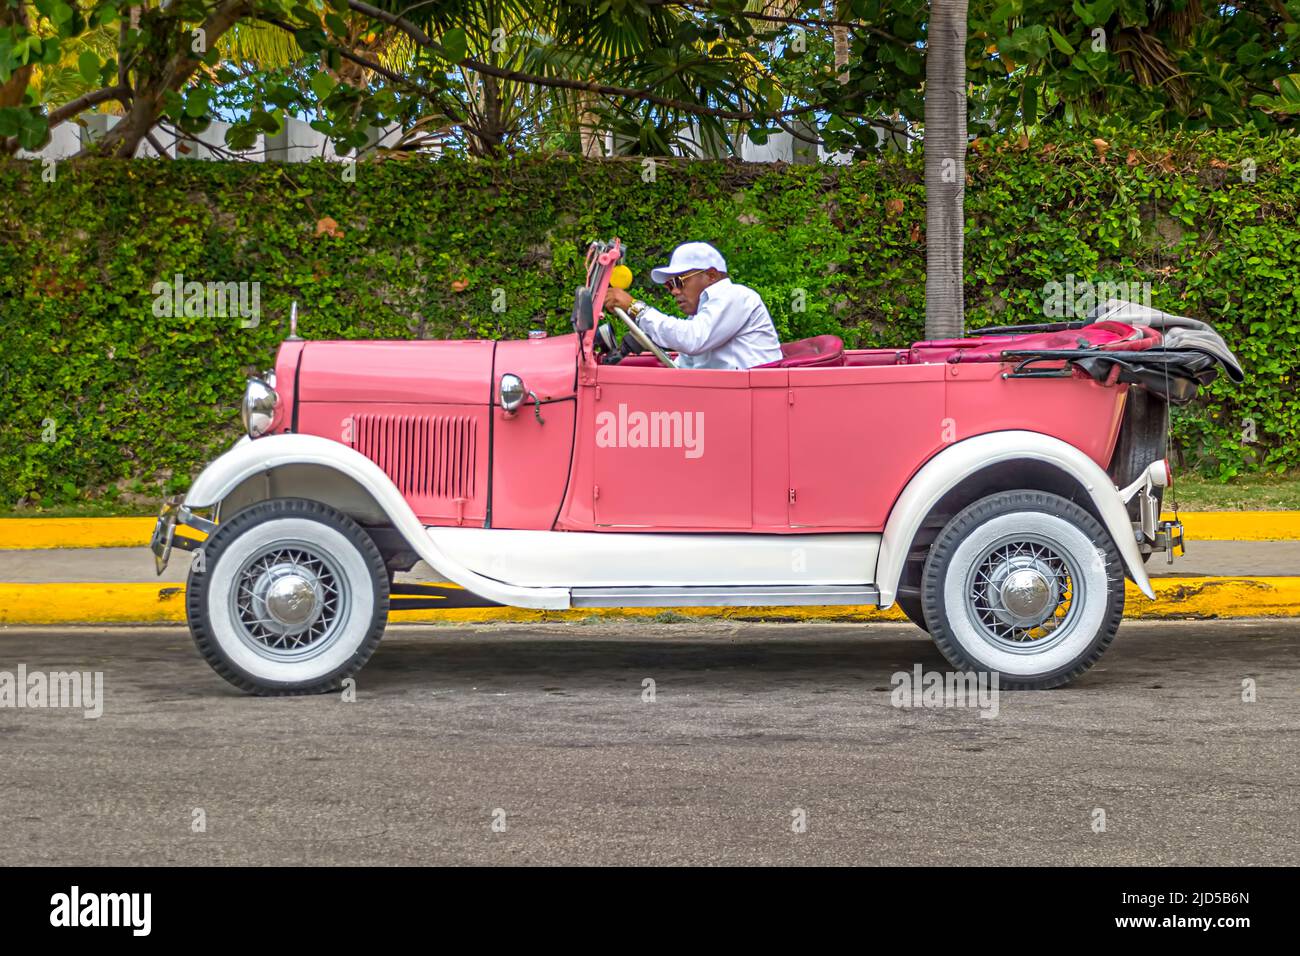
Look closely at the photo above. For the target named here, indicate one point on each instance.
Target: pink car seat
(817, 352)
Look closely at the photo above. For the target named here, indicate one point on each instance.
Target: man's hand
(617, 299)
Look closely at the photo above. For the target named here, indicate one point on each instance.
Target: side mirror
(513, 392)
(583, 318)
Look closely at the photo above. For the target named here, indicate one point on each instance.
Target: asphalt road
(750, 723)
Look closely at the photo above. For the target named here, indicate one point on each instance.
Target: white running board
(771, 596)
(608, 559)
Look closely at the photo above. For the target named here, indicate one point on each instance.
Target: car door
(857, 434)
(671, 449)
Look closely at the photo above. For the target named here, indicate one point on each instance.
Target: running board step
(773, 595)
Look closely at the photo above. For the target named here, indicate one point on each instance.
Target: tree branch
(152, 140)
(586, 86)
(775, 18)
(84, 102)
(395, 78)
(72, 108)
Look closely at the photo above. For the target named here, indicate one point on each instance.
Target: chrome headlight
(258, 407)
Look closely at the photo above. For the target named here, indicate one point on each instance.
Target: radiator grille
(425, 455)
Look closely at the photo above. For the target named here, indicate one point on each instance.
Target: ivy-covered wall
(109, 390)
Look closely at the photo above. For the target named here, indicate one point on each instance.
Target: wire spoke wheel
(289, 600)
(1021, 593)
(292, 599)
(1025, 583)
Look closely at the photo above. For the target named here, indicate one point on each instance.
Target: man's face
(687, 296)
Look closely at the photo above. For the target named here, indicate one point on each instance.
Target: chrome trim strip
(772, 596)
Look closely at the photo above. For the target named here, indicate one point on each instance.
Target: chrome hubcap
(289, 601)
(1021, 592)
(1027, 595)
(292, 600)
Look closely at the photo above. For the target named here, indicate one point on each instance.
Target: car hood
(401, 372)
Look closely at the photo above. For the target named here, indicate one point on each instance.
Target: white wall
(65, 141)
(297, 142)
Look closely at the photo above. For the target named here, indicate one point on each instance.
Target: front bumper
(172, 513)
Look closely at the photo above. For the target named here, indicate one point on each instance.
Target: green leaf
(196, 104)
(173, 105)
(88, 65)
(1249, 53)
(264, 121)
(1060, 42)
(282, 96)
(10, 123)
(454, 45)
(322, 84)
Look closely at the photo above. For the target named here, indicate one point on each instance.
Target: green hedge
(101, 398)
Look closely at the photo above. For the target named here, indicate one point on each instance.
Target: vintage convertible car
(998, 488)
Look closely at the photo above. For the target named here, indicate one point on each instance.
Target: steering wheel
(644, 340)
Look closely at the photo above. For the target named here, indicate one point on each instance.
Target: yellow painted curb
(151, 603)
(1240, 525)
(90, 603)
(22, 534)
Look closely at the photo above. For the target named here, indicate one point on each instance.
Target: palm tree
(945, 168)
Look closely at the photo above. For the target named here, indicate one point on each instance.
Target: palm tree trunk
(589, 135)
(945, 168)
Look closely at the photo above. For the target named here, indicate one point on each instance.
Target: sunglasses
(675, 283)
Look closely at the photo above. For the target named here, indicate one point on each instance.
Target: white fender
(249, 458)
(959, 461)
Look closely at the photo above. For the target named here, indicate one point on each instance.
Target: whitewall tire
(1024, 583)
(290, 597)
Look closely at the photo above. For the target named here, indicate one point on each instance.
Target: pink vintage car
(999, 488)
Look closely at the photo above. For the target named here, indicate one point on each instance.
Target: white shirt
(731, 328)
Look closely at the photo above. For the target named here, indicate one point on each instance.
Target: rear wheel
(291, 598)
(1026, 584)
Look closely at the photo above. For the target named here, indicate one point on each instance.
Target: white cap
(688, 257)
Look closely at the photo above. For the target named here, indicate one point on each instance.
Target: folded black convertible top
(1189, 356)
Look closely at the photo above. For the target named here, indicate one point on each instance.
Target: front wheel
(1026, 584)
(290, 597)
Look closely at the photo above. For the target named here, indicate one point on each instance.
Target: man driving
(729, 327)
